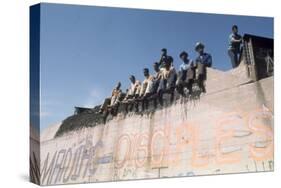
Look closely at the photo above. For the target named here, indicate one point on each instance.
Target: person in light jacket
(186, 73)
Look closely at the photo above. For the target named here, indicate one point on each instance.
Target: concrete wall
(227, 130)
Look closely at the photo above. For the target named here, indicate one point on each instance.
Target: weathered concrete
(227, 130)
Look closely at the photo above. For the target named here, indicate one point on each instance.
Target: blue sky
(86, 50)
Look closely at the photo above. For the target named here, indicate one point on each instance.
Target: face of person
(132, 79)
(200, 50)
(156, 67)
(183, 57)
(145, 73)
(235, 30)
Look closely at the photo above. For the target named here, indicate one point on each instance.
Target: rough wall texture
(227, 130)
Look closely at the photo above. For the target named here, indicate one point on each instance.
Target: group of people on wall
(166, 79)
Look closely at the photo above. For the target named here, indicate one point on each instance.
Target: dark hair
(183, 53)
(156, 64)
(170, 59)
(164, 50)
(145, 70)
(234, 27)
(132, 77)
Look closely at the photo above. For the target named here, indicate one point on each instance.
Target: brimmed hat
(199, 45)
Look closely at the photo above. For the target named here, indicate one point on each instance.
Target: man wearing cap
(186, 73)
(203, 61)
(235, 41)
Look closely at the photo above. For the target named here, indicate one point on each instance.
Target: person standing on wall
(162, 57)
(186, 73)
(203, 61)
(235, 41)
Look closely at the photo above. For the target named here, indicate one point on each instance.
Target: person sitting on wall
(132, 93)
(186, 74)
(234, 50)
(167, 79)
(203, 61)
(156, 77)
(110, 104)
(155, 84)
(146, 88)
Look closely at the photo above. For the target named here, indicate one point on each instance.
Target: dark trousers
(145, 101)
(181, 85)
(233, 54)
(105, 103)
(189, 85)
(132, 103)
(201, 84)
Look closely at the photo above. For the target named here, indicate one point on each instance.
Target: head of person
(164, 51)
(146, 72)
(156, 67)
(199, 47)
(234, 29)
(167, 63)
(132, 79)
(183, 55)
(118, 85)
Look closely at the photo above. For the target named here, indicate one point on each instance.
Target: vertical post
(253, 67)
(159, 170)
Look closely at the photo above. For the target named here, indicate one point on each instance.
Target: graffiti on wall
(186, 148)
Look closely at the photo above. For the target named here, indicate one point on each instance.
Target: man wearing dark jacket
(203, 61)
